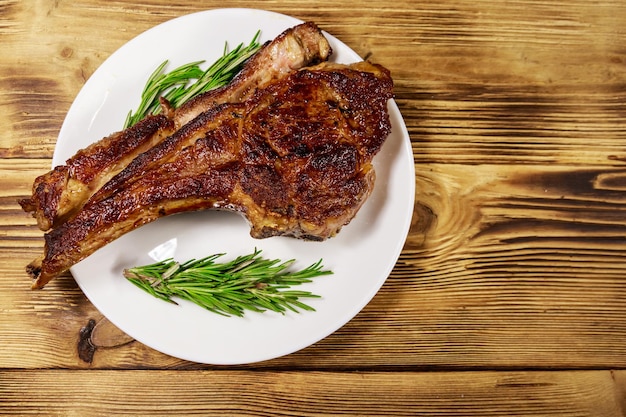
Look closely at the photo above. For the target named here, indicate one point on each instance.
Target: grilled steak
(57, 195)
(294, 159)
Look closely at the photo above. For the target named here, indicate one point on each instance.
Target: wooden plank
(515, 124)
(526, 82)
(504, 267)
(156, 393)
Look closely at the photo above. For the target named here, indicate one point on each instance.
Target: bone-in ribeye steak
(294, 158)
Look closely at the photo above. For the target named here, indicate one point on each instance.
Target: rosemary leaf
(247, 283)
(189, 80)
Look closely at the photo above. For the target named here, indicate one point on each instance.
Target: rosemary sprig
(248, 282)
(189, 80)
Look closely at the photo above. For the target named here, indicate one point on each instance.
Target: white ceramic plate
(361, 256)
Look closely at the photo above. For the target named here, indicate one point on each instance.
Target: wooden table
(509, 297)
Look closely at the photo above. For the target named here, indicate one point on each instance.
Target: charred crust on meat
(33, 270)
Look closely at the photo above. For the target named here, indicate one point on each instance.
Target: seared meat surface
(59, 194)
(294, 158)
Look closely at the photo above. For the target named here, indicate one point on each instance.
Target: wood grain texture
(226, 393)
(516, 257)
(501, 269)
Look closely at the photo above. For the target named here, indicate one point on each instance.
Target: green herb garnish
(248, 282)
(189, 80)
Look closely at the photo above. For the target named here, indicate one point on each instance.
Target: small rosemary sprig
(248, 282)
(189, 80)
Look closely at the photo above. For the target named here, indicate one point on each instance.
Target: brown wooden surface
(509, 297)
